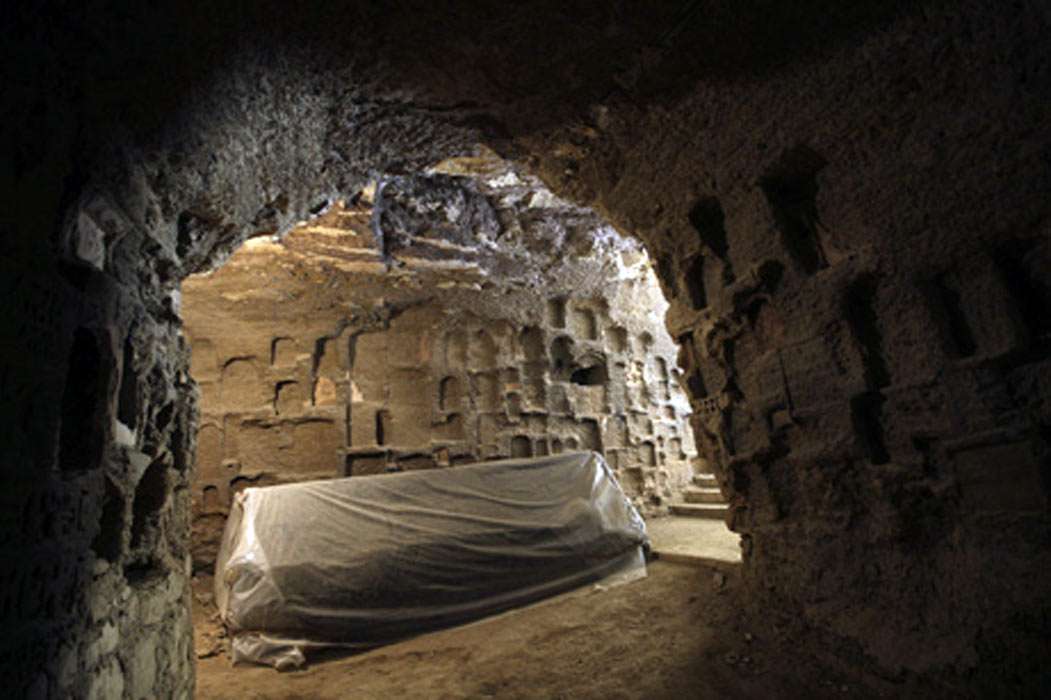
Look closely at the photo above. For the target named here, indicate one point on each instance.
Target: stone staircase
(702, 500)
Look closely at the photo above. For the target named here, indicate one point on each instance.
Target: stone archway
(854, 250)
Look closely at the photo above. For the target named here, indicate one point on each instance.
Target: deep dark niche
(790, 187)
(150, 496)
(128, 402)
(81, 440)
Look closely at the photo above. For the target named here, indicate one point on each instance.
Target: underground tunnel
(506, 323)
(798, 252)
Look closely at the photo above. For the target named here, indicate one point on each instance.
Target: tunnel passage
(463, 365)
(195, 142)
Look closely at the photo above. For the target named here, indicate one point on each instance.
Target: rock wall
(96, 491)
(311, 371)
(857, 260)
(99, 410)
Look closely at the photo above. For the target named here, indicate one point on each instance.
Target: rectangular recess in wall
(866, 411)
(947, 312)
(1023, 266)
(83, 405)
(790, 187)
(859, 311)
(709, 221)
(694, 278)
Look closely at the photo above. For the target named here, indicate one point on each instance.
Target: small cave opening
(593, 375)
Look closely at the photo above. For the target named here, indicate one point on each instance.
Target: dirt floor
(674, 634)
(695, 541)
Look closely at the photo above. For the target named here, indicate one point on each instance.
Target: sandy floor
(674, 634)
(695, 540)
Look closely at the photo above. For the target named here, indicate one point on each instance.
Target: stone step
(696, 542)
(715, 511)
(705, 480)
(702, 495)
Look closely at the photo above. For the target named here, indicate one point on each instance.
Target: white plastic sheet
(368, 560)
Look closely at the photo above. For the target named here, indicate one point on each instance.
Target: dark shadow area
(947, 313)
(150, 495)
(695, 283)
(1025, 266)
(594, 375)
(708, 218)
(83, 405)
(108, 541)
(790, 187)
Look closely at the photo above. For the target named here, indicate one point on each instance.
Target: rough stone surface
(847, 206)
(855, 278)
(504, 322)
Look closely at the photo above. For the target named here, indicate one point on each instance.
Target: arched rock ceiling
(907, 138)
(252, 114)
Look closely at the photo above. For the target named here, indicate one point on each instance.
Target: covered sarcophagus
(368, 560)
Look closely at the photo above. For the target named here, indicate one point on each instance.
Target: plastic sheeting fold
(364, 561)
